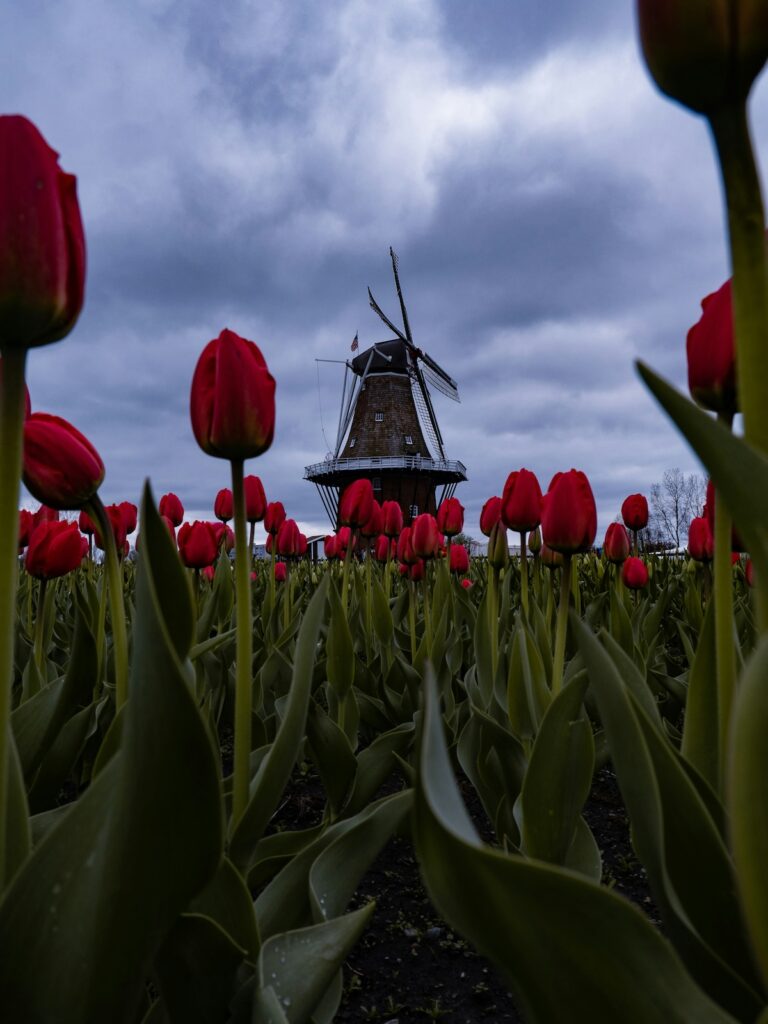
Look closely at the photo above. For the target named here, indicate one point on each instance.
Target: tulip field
(209, 762)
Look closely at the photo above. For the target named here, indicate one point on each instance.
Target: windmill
(387, 428)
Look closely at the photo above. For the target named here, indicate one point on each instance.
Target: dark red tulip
(711, 354)
(344, 538)
(26, 525)
(700, 543)
(459, 559)
(61, 467)
(356, 503)
(222, 505)
(281, 571)
(130, 515)
(425, 536)
(704, 53)
(521, 501)
(225, 537)
(405, 552)
(393, 518)
(749, 573)
(274, 517)
(42, 245)
(255, 499)
(171, 507)
(490, 515)
(232, 403)
(467, 584)
(270, 543)
(403, 568)
(55, 548)
(385, 547)
(85, 523)
(616, 543)
(375, 523)
(450, 517)
(197, 544)
(634, 512)
(329, 546)
(634, 574)
(117, 522)
(208, 572)
(303, 545)
(417, 570)
(288, 539)
(569, 516)
(735, 558)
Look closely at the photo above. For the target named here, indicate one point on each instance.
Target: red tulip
(281, 571)
(356, 503)
(225, 537)
(569, 516)
(303, 545)
(255, 499)
(635, 574)
(86, 523)
(270, 543)
(417, 570)
(393, 518)
(521, 501)
(700, 542)
(425, 536)
(552, 559)
(711, 354)
(450, 517)
(288, 539)
(197, 544)
(403, 568)
(467, 584)
(55, 548)
(232, 403)
(459, 562)
(490, 515)
(208, 572)
(616, 543)
(171, 507)
(117, 523)
(274, 516)
(130, 515)
(45, 515)
(329, 546)
(222, 505)
(385, 546)
(735, 558)
(704, 53)
(749, 573)
(375, 523)
(42, 245)
(26, 525)
(61, 466)
(405, 552)
(634, 512)
(344, 538)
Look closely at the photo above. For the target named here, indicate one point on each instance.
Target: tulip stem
(40, 626)
(725, 655)
(244, 649)
(98, 513)
(562, 626)
(746, 229)
(427, 614)
(412, 618)
(493, 617)
(523, 573)
(345, 576)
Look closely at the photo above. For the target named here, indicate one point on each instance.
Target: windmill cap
(385, 356)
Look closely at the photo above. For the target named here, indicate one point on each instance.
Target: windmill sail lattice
(388, 430)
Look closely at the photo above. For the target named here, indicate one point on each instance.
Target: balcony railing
(413, 463)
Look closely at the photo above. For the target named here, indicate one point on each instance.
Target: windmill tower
(388, 431)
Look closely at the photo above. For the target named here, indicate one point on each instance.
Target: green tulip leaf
(591, 955)
(701, 730)
(341, 658)
(333, 755)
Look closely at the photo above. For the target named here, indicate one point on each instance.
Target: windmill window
(379, 417)
(352, 442)
(414, 511)
(377, 483)
(408, 439)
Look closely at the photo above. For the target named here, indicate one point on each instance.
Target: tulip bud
(255, 499)
(344, 538)
(55, 548)
(704, 53)
(61, 467)
(405, 552)
(417, 571)
(498, 548)
(552, 559)
(85, 523)
(197, 543)
(42, 245)
(223, 505)
(393, 518)
(569, 516)
(459, 559)
(117, 522)
(356, 503)
(634, 574)
(450, 517)
(288, 539)
(171, 507)
(130, 515)
(490, 515)
(700, 543)
(225, 537)
(274, 517)
(534, 541)
(208, 573)
(375, 523)
(384, 547)
(711, 354)
(281, 571)
(425, 537)
(467, 584)
(232, 404)
(634, 512)
(521, 501)
(329, 547)
(616, 543)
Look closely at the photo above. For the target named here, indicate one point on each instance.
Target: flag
(355, 342)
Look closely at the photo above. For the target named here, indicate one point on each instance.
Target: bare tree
(674, 502)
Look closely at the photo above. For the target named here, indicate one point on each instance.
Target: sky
(248, 164)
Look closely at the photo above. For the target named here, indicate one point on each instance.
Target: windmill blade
(438, 371)
(439, 383)
(435, 429)
(377, 309)
(406, 325)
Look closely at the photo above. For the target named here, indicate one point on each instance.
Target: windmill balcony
(412, 463)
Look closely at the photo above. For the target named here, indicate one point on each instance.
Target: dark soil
(410, 966)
